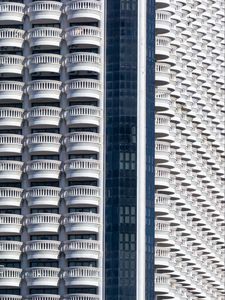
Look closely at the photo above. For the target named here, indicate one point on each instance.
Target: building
(112, 150)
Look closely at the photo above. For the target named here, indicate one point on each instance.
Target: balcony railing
(80, 297)
(82, 275)
(86, 9)
(11, 37)
(42, 222)
(83, 141)
(11, 11)
(43, 89)
(10, 277)
(44, 276)
(11, 90)
(12, 64)
(44, 63)
(44, 36)
(82, 168)
(10, 196)
(83, 61)
(39, 249)
(44, 115)
(83, 114)
(88, 88)
(43, 168)
(10, 250)
(43, 195)
(11, 116)
(81, 194)
(44, 10)
(10, 169)
(82, 249)
(88, 35)
(88, 222)
(11, 143)
(44, 142)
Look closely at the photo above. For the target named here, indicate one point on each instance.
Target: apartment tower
(112, 150)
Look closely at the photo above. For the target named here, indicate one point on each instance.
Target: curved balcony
(10, 297)
(83, 88)
(10, 170)
(44, 36)
(44, 89)
(12, 12)
(81, 195)
(162, 177)
(10, 196)
(41, 249)
(83, 35)
(42, 276)
(82, 276)
(162, 152)
(44, 62)
(46, 116)
(162, 126)
(10, 277)
(11, 37)
(85, 142)
(43, 196)
(83, 115)
(83, 10)
(89, 249)
(162, 24)
(43, 143)
(83, 61)
(162, 49)
(42, 222)
(11, 117)
(81, 222)
(10, 250)
(162, 284)
(80, 297)
(162, 204)
(43, 169)
(43, 297)
(82, 168)
(10, 143)
(11, 64)
(162, 256)
(10, 223)
(162, 74)
(11, 90)
(162, 99)
(162, 230)
(46, 11)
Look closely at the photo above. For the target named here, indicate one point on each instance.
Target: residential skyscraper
(112, 150)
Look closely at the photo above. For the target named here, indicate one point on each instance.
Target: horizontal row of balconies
(36, 249)
(51, 89)
(49, 223)
(77, 115)
(50, 196)
(79, 61)
(52, 297)
(49, 11)
(47, 276)
(88, 142)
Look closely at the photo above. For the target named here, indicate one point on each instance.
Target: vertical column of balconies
(11, 140)
(188, 179)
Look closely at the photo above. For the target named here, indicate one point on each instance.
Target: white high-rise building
(112, 150)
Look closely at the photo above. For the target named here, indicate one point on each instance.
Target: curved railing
(83, 137)
(11, 86)
(83, 110)
(81, 218)
(162, 147)
(162, 41)
(10, 165)
(10, 192)
(49, 6)
(162, 68)
(42, 85)
(81, 297)
(10, 273)
(82, 190)
(11, 139)
(85, 164)
(43, 191)
(44, 32)
(162, 172)
(10, 246)
(162, 16)
(10, 219)
(11, 112)
(83, 57)
(162, 252)
(43, 297)
(7, 7)
(44, 59)
(84, 4)
(10, 297)
(83, 31)
(162, 226)
(11, 33)
(89, 84)
(84, 272)
(83, 245)
(42, 218)
(161, 199)
(7, 59)
(44, 111)
(162, 120)
(38, 138)
(43, 272)
(42, 165)
(42, 246)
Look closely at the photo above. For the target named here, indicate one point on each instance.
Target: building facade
(112, 150)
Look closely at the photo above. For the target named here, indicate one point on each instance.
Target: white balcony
(88, 249)
(81, 222)
(162, 99)
(10, 170)
(46, 116)
(44, 63)
(162, 177)
(83, 61)
(162, 284)
(43, 196)
(162, 74)
(81, 297)
(42, 223)
(42, 249)
(83, 88)
(10, 277)
(82, 168)
(83, 10)
(11, 64)
(162, 49)
(10, 223)
(85, 142)
(42, 297)
(162, 230)
(43, 143)
(42, 276)
(10, 297)
(44, 36)
(162, 126)
(162, 23)
(11, 37)
(43, 169)
(11, 116)
(10, 143)
(12, 12)
(82, 276)
(83, 35)
(83, 115)
(44, 11)
(44, 89)
(10, 196)
(162, 257)
(11, 90)
(162, 152)
(81, 195)
(10, 250)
